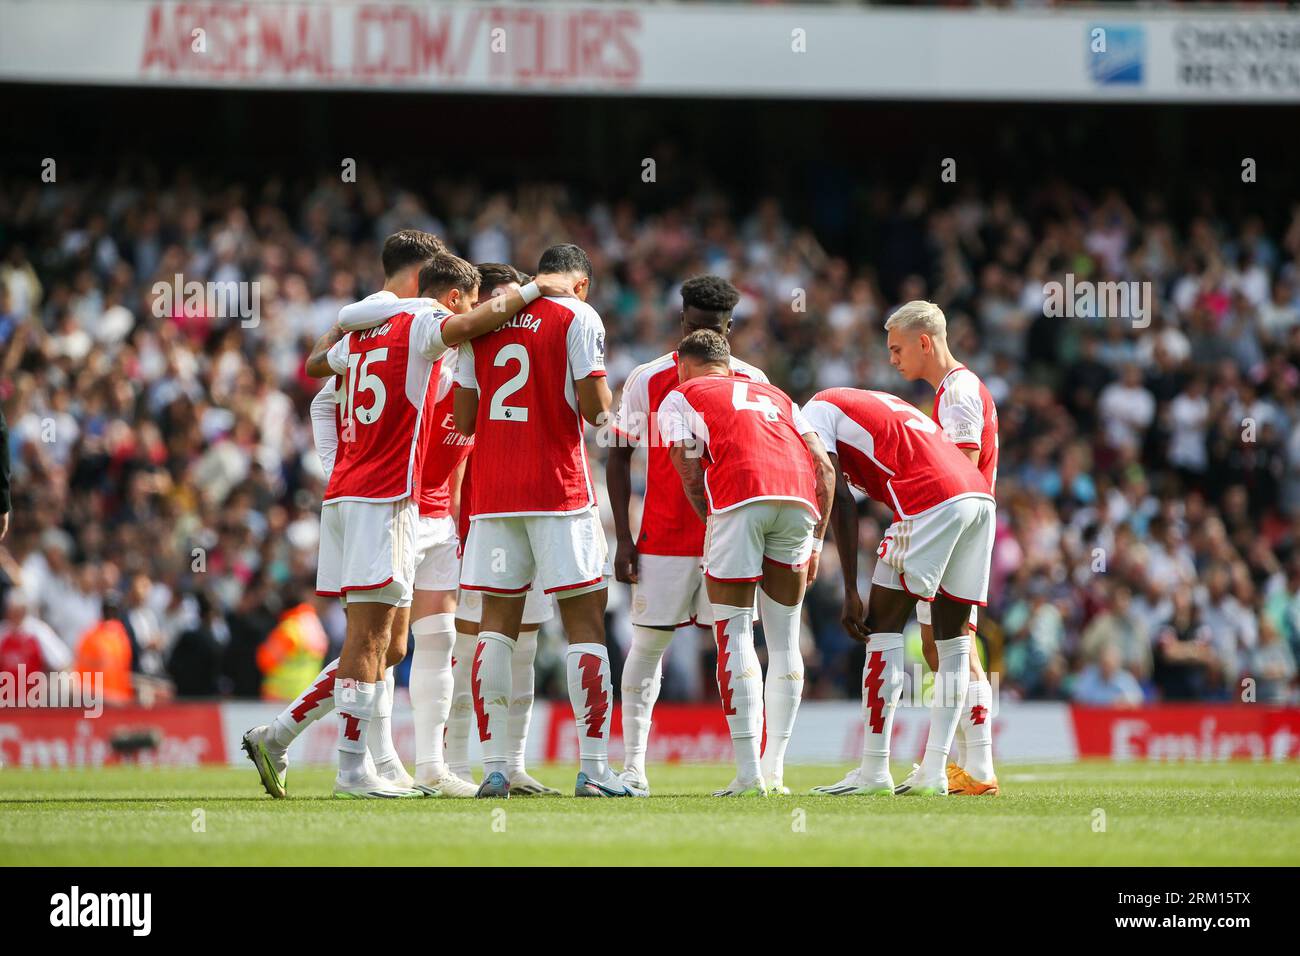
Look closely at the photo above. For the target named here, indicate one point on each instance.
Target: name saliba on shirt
(524, 320)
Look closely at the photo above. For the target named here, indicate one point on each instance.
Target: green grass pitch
(1084, 814)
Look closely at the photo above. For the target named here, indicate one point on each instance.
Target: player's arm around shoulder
(329, 354)
(491, 314)
(377, 308)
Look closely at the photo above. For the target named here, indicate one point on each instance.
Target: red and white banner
(694, 49)
(1189, 732)
(187, 735)
(827, 733)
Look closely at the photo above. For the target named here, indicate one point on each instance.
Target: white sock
(522, 677)
(977, 721)
(783, 688)
(456, 739)
(310, 706)
(490, 680)
(951, 680)
(590, 687)
(380, 738)
(431, 690)
(642, 678)
(355, 702)
(740, 685)
(958, 755)
(882, 682)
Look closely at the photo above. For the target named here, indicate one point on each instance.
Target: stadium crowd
(166, 492)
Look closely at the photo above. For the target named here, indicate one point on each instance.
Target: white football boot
(611, 785)
(522, 784)
(914, 786)
(739, 788)
(368, 785)
(448, 785)
(855, 785)
(272, 763)
(396, 775)
(637, 781)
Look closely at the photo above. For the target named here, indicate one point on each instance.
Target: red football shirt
(892, 451)
(529, 456)
(751, 437)
(669, 525)
(447, 447)
(385, 373)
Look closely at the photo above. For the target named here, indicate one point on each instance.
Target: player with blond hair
(918, 348)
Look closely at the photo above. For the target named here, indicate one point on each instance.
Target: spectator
(1273, 666)
(148, 640)
(1185, 657)
(1106, 683)
(104, 654)
(194, 665)
(1118, 628)
(1189, 415)
(1126, 409)
(293, 652)
(28, 646)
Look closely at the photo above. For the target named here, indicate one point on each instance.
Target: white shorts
(670, 592)
(437, 565)
(368, 551)
(737, 542)
(562, 554)
(538, 607)
(945, 551)
(923, 613)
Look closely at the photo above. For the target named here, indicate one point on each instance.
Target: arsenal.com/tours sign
(665, 50)
(396, 43)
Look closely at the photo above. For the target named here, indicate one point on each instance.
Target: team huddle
(460, 509)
